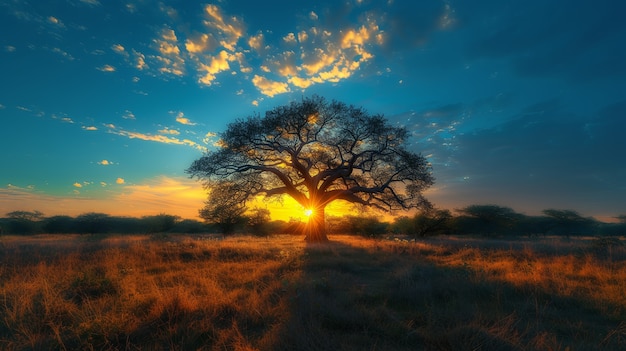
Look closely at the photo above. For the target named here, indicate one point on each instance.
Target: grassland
(173, 292)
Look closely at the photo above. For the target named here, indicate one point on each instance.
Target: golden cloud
(180, 118)
(78, 185)
(269, 87)
(169, 131)
(106, 68)
(217, 64)
(120, 181)
(201, 43)
(231, 27)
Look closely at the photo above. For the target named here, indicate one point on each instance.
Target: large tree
(317, 152)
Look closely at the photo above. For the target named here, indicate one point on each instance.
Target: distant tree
(317, 152)
(402, 225)
(431, 221)
(222, 209)
(93, 223)
(160, 223)
(25, 215)
(59, 224)
(258, 220)
(569, 222)
(490, 219)
(621, 218)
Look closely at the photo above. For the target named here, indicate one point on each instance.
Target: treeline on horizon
(483, 220)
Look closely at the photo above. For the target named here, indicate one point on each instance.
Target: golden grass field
(183, 292)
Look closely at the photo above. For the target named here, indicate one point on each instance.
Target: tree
(222, 209)
(568, 222)
(491, 219)
(26, 215)
(258, 220)
(317, 152)
(431, 221)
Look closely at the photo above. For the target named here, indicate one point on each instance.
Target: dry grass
(244, 293)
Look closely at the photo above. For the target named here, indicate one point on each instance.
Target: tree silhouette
(222, 209)
(317, 152)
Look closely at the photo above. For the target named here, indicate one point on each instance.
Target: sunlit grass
(245, 293)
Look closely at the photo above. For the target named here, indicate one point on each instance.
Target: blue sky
(104, 104)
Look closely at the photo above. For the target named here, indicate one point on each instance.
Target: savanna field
(199, 292)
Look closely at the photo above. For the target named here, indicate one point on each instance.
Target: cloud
(90, 128)
(169, 131)
(201, 43)
(117, 48)
(231, 28)
(78, 185)
(269, 87)
(164, 139)
(106, 68)
(55, 21)
(128, 115)
(91, 2)
(119, 181)
(105, 163)
(216, 64)
(257, 43)
(180, 118)
(170, 59)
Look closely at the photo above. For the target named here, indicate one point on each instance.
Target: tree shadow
(385, 296)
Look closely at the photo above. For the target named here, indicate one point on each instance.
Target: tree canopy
(317, 152)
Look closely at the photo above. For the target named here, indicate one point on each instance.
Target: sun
(308, 212)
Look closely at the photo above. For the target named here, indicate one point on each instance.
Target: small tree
(317, 152)
(222, 209)
(568, 222)
(258, 220)
(491, 219)
(431, 221)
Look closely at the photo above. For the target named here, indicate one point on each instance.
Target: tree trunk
(315, 229)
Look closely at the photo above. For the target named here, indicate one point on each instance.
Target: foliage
(431, 221)
(222, 209)
(258, 220)
(26, 215)
(316, 152)
(569, 222)
(369, 226)
(489, 220)
(160, 223)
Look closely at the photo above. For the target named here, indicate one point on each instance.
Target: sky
(104, 104)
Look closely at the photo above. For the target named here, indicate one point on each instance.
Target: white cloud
(128, 115)
(91, 2)
(290, 38)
